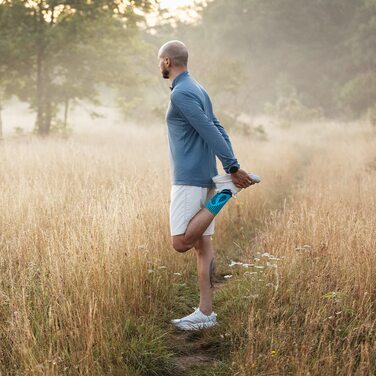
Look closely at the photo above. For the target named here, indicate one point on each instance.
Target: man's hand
(241, 179)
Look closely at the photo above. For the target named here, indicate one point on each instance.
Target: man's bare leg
(200, 222)
(196, 227)
(205, 269)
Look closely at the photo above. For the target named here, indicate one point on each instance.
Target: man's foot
(225, 182)
(195, 321)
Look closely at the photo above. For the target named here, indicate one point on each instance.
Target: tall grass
(313, 312)
(89, 280)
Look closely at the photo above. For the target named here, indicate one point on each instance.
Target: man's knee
(202, 243)
(199, 243)
(179, 244)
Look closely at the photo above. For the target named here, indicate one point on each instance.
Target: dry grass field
(89, 280)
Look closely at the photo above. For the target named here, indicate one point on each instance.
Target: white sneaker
(195, 321)
(225, 182)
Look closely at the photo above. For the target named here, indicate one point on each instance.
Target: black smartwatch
(233, 169)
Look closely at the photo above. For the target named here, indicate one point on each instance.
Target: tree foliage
(57, 52)
(324, 50)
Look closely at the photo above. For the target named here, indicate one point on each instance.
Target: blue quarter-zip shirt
(195, 135)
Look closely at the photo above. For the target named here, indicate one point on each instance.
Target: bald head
(176, 51)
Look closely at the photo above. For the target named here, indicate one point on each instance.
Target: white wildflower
(304, 248)
(271, 265)
(235, 263)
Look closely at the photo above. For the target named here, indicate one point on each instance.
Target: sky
(176, 10)
(173, 4)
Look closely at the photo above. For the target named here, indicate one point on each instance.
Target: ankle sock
(205, 313)
(218, 201)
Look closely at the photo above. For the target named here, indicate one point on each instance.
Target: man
(195, 138)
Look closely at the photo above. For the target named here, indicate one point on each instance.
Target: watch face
(233, 169)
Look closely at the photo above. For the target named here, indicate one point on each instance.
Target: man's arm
(223, 132)
(190, 108)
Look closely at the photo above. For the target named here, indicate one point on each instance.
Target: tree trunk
(66, 109)
(44, 116)
(1, 124)
(39, 125)
(48, 115)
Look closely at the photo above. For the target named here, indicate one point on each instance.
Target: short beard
(165, 73)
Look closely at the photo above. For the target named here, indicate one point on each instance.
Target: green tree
(358, 94)
(318, 45)
(61, 51)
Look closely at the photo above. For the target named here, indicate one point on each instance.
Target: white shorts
(186, 201)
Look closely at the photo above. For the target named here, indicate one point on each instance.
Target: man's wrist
(233, 169)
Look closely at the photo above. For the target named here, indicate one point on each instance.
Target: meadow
(89, 279)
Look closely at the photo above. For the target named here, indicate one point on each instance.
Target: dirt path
(198, 351)
(195, 350)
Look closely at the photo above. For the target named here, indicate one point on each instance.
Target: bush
(371, 115)
(289, 109)
(232, 122)
(359, 94)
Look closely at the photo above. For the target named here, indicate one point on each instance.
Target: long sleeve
(216, 137)
(223, 132)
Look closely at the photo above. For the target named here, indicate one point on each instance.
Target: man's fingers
(248, 181)
(244, 182)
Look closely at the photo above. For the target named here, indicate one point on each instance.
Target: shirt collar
(179, 77)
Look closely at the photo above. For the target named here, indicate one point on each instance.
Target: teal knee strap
(217, 202)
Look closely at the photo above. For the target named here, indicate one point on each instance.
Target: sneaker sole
(226, 178)
(228, 183)
(197, 326)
